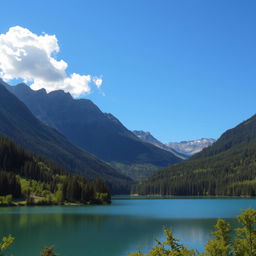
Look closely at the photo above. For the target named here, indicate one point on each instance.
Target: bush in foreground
(243, 244)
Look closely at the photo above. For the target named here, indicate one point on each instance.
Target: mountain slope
(243, 133)
(19, 124)
(228, 167)
(86, 126)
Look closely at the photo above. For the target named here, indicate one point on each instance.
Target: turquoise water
(115, 230)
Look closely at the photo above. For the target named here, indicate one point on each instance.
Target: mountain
(101, 134)
(20, 125)
(149, 138)
(183, 149)
(191, 147)
(227, 167)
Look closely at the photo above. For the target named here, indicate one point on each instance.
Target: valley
(127, 128)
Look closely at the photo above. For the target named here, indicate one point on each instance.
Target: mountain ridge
(183, 149)
(149, 138)
(86, 126)
(20, 125)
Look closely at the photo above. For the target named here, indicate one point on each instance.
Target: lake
(115, 230)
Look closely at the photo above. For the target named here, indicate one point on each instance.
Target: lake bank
(127, 197)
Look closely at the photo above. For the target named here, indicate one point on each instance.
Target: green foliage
(6, 200)
(76, 188)
(229, 173)
(243, 133)
(170, 247)
(58, 195)
(48, 251)
(137, 172)
(9, 184)
(227, 168)
(40, 182)
(102, 197)
(243, 244)
(30, 200)
(220, 245)
(5, 244)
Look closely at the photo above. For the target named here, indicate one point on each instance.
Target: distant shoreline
(23, 204)
(137, 196)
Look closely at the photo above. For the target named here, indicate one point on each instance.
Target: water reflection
(109, 231)
(96, 235)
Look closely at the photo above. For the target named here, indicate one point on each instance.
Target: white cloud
(98, 81)
(25, 55)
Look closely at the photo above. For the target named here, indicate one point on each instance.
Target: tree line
(229, 173)
(24, 175)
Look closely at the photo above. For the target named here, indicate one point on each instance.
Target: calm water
(115, 230)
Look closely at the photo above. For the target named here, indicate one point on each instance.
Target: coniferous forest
(227, 168)
(29, 179)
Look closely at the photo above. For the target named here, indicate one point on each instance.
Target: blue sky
(181, 69)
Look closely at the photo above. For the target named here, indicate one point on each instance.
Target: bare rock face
(184, 149)
(191, 147)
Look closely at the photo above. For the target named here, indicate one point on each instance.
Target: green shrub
(243, 244)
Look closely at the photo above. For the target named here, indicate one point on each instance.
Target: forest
(231, 173)
(28, 179)
(227, 168)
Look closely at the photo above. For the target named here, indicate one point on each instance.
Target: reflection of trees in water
(34, 231)
(96, 234)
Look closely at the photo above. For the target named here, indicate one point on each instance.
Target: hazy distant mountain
(191, 147)
(149, 138)
(183, 149)
(22, 127)
(101, 134)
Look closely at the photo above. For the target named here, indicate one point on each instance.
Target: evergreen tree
(220, 245)
(48, 251)
(5, 244)
(25, 175)
(245, 244)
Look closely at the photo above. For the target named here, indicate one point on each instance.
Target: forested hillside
(22, 127)
(243, 133)
(228, 167)
(35, 180)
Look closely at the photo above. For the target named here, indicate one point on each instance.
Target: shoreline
(155, 197)
(23, 204)
(123, 197)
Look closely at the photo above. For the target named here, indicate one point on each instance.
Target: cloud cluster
(32, 58)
